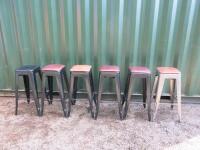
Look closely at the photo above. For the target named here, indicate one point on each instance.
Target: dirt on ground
(80, 131)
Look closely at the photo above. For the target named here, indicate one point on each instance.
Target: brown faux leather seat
(81, 68)
(168, 70)
(109, 68)
(53, 67)
(139, 69)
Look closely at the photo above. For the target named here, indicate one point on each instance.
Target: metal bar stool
(84, 71)
(174, 75)
(28, 72)
(113, 72)
(144, 74)
(57, 71)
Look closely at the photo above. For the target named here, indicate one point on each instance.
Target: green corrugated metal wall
(122, 32)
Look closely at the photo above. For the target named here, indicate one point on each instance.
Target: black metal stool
(145, 74)
(111, 72)
(84, 71)
(57, 71)
(29, 76)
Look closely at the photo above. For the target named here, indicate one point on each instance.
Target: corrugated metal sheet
(123, 32)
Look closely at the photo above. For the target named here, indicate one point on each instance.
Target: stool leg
(71, 89)
(158, 94)
(178, 85)
(94, 97)
(144, 91)
(118, 92)
(128, 91)
(89, 90)
(126, 87)
(40, 75)
(50, 85)
(27, 88)
(148, 91)
(65, 80)
(61, 90)
(32, 80)
(101, 78)
(16, 92)
(154, 86)
(172, 90)
(43, 94)
(75, 90)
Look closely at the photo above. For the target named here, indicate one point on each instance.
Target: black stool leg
(50, 84)
(126, 87)
(43, 94)
(27, 88)
(34, 91)
(71, 89)
(61, 90)
(65, 80)
(129, 90)
(100, 90)
(96, 104)
(144, 91)
(89, 90)
(74, 95)
(118, 92)
(148, 84)
(16, 92)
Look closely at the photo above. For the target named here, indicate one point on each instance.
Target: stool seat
(27, 68)
(139, 69)
(81, 68)
(168, 70)
(109, 68)
(53, 67)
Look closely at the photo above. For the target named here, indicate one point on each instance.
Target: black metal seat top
(28, 68)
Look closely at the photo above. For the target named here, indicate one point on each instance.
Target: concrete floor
(80, 131)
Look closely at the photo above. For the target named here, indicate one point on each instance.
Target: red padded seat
(53, 67)
(139, 69)
(109, 68)
(81, 68)
(168, 70)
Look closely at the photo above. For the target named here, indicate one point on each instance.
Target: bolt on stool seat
(84, 71)
(57, 71)
(145, 74)
(29, 76)
(174, 75)
(109, 71)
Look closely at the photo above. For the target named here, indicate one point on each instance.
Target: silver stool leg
(158, 93)
(172, 92)
(178, 86)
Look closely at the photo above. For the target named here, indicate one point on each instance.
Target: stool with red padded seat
(28, 72)
(174, 75)
(145, 74)
(84, 71)
(57, 71)
(113, 72)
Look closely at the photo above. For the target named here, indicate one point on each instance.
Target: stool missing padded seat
(29, 75)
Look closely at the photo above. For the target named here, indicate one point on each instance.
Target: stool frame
(146, 79)
(61, 78)
(116, 76)
(175, 81)
(30, 82)
(87, 76)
